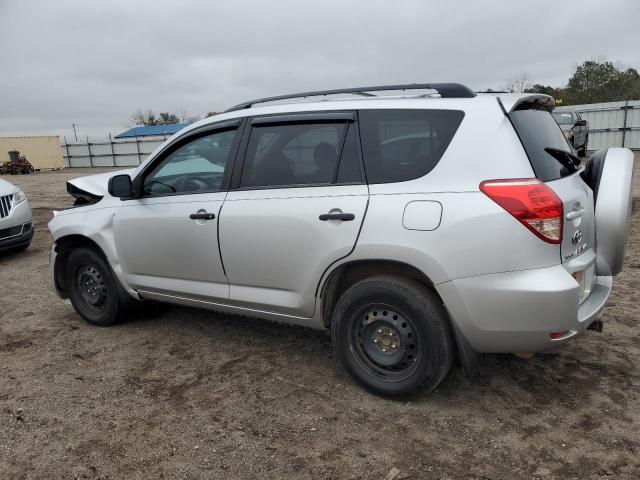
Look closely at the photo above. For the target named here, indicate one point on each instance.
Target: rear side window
(301, 154)
(540, 134)
(401, 145)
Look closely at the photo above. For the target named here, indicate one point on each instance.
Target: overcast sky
(93, 63)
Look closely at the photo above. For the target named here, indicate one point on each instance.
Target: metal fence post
(66, 149)
(113, 153)
(89, 149)
(624, 122)
(138, 150)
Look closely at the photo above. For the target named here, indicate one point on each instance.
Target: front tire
(93, 289)
(393, 336)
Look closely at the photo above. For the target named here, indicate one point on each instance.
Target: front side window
(195, 167)
(401, 145)
(300, 154)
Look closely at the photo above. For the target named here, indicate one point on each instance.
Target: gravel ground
(183, 393)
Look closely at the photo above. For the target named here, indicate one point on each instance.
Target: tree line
(148, 118)
(594, 81)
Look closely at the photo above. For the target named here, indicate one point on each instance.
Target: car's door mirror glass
(120, 186)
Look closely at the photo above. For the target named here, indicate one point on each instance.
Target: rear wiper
(567, 159)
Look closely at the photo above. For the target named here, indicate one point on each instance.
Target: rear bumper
(516, 311)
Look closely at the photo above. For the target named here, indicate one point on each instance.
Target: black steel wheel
(393, 336)
(93, 289)
(385, 342)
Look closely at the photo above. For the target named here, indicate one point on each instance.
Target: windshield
(563, 118)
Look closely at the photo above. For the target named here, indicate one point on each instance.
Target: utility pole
(74, 131)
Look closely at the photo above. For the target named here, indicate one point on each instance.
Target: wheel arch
(347, 274)
(63, 247)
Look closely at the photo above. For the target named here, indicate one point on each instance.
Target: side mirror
(581, 123)
(121, 186)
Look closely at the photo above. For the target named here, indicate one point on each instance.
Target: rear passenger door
(295, 207)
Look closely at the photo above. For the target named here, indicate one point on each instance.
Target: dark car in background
(575, 129)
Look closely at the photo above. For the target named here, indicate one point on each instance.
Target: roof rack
(446, 90)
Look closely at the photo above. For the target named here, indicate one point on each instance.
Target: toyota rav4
(416, 223)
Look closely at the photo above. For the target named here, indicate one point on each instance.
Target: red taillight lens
(531, 202)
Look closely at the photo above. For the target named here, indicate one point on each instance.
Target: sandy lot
(183, 393)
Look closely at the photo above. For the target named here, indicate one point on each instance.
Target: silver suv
(413, 227)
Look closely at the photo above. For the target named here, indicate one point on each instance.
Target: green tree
(602, 81)
(555, 92)
(148, 118)
(141, 118)
(166, 118)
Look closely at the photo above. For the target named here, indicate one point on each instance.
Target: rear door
(554, 164)
(297, 207)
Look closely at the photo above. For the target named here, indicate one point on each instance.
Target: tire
(593, 171)
(392, 335)
(93, 289)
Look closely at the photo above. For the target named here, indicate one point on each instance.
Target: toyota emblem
(577, 236)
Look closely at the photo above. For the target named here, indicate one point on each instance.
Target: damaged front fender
(91, 189)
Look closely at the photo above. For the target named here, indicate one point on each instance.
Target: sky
(93, 62)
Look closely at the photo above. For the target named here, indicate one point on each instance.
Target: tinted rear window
(538, 131)
(400, 145)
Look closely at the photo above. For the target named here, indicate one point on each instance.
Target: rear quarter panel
(475, 236)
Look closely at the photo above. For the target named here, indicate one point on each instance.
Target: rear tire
(93, 289)
(393, 336)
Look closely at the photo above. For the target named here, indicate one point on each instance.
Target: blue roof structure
(153, 131)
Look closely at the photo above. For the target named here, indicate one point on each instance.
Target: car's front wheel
(93, 289)
(392, 335)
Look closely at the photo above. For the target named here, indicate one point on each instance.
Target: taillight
(531, 202)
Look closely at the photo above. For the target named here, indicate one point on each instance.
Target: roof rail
(446, 90)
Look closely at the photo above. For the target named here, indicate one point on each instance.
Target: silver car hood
(94, 185)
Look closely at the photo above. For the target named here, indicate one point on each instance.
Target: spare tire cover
(613, 210)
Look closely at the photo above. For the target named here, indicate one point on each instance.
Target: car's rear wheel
(393, 336)
(93, 289)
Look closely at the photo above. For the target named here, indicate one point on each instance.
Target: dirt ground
(183, 393)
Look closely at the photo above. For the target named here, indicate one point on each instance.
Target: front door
(298, 208)
(167, 241)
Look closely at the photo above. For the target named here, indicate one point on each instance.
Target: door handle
(202, 216)
(573, 214)
(345, 217)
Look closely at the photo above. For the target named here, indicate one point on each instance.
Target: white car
(16, 224)
(414, 227)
